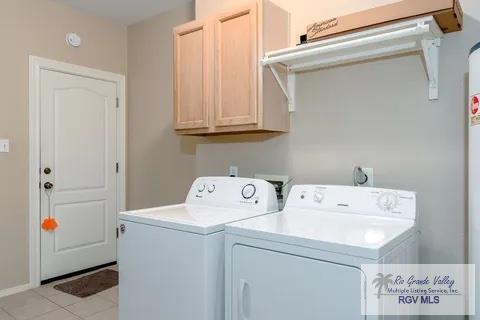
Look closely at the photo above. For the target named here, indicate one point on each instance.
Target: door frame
(36, 64)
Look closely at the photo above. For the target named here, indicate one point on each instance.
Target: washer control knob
(249, 191)
(201, 187)
(211, 188)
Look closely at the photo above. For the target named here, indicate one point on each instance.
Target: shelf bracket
(431, 54)
(288, 89)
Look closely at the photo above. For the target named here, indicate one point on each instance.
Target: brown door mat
(89, 285)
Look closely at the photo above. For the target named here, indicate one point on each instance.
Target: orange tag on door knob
(49, 224)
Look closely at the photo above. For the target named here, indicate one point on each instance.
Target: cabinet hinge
(117, 167)
(118, 102)
(117, 233)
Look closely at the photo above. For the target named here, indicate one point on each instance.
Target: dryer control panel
(233, 192)
(354, 200)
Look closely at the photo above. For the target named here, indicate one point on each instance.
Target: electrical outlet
(4, 145)
(281, 186)
(233, 171)
(369, 173)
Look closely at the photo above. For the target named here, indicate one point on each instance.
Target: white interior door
(78, 145)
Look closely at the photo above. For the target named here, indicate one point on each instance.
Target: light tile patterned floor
(46, 303)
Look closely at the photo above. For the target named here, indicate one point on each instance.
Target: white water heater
(474, 170)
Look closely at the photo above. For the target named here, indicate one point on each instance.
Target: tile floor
(46, 303)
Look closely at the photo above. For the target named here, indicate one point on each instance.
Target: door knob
(48, 185)
(47, 170)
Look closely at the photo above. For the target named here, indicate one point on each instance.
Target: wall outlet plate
(369, 173)
(280, 184)
(4, 145)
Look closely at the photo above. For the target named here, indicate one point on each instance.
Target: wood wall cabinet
(220, 84)
(192, 60)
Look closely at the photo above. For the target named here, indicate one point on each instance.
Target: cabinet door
(236, 63)
(192, 60)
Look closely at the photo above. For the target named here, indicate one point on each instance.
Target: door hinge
(118, 167)
(118, 102)
(117, 233)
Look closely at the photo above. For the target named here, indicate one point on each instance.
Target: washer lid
(191, 218)
(356, 235)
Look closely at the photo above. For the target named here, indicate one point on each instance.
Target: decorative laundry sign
(475, 110)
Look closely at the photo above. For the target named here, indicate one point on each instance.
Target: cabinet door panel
(236, 60)
(192, 60)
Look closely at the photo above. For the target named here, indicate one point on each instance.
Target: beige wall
(37, 28)
(160, 163)
(376, 115)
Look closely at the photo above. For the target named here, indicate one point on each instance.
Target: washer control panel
(234, 192)
(355, 200)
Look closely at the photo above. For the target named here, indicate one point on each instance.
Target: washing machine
(171, 258)
(304, 263)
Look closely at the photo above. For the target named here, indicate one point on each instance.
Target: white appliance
(303, 263)
(474, 169)
(171, 259)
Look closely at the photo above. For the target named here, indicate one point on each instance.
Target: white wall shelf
(419, 35)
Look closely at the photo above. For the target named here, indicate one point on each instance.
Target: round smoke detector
(74, 40)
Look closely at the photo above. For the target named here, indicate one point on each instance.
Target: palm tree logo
(382, 281)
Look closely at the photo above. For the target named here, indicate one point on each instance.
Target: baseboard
(17, 289)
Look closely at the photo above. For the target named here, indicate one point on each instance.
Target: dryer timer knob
(318, 196)
(387, 201)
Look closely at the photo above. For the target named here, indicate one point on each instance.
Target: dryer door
(269, 285)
